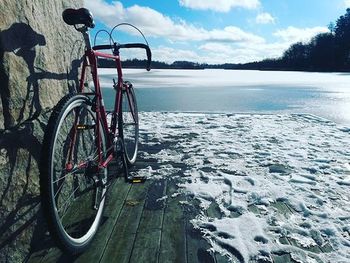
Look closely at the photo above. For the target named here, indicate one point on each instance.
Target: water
(324, 94)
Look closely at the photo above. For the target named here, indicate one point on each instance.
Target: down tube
(118, 96)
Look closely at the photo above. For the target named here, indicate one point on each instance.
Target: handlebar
(100, 47)
(116, 48)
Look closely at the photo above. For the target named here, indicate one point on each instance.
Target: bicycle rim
(76, 191)
(130, 125)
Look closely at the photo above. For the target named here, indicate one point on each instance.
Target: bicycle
(80, 142)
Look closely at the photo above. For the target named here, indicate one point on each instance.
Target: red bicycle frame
(90, 60)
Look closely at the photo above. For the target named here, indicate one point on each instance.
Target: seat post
(87, 39)
(85, 31)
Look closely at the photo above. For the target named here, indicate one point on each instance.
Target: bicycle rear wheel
(129, 123)
(72, 186)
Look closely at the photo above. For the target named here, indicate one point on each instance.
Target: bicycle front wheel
(129, 123)
(72, 184)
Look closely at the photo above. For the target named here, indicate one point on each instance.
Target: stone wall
(39, 58)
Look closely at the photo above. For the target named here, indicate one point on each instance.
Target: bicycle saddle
(78, 16)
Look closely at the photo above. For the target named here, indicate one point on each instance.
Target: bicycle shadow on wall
(21, 40)
(19, 145)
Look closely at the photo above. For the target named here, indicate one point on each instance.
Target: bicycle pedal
(137, 180)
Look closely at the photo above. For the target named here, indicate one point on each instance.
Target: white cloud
(212, 53)
(169, 55)
(267, 50)
(347, 3)
(154, 23)
(218, 53)
(224, 45)
(215, 47)
(265, 18)
(242, 53)
(294, 34)
(220, 5)
(231, 34)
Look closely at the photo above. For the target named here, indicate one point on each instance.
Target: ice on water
(247, 165)
(322, 94)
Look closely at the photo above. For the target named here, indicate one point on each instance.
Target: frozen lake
(323, 94)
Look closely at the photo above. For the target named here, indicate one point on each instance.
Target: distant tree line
(137, 63)
(325, 52)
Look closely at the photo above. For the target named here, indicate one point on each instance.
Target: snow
(240, 161)
(245, 234)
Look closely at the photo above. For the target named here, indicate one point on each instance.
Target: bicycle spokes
(78, 184)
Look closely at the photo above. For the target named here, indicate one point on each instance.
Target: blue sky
(216, 31)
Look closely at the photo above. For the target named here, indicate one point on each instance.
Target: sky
(214, 31)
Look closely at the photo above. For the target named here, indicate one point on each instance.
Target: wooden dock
(139, 226)
(150, 222)
(141, 223)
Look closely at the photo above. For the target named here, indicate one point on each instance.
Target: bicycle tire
(129, 123)
(71, 221)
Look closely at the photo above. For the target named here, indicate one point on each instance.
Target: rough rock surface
(39, 58)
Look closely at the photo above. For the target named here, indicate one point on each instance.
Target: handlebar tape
(100, 47)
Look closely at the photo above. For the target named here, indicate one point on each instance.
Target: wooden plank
(198, 249)
(115, 199)
(36, 257)
(327, 248)
(122, 238)
(282, 208)
(147, 242)
(117, 194)
(222, 259)
(214, 212)
(197, 246)
(173, 241)
(282, 258)
(314, 249)
(254, 209)
(40, 251)
(284, 241)
(53, 255)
